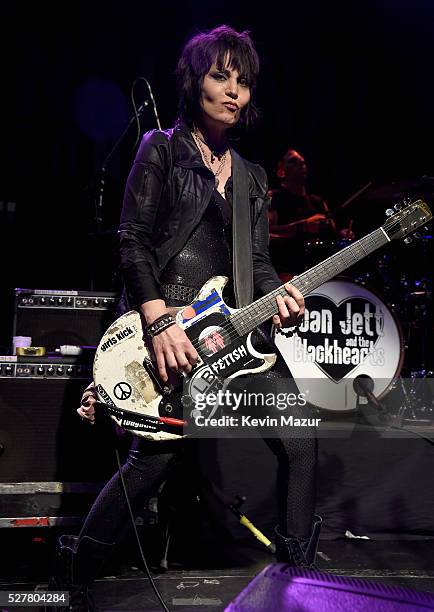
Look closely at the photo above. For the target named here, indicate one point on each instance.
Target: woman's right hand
(173, 351)
(172, 347)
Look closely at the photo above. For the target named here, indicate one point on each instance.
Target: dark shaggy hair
(197, 58)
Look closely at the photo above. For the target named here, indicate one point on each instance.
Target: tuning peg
(398, 206)
(417, 235)
(390, 212)
(408, 240)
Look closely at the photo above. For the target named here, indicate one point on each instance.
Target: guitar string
(347, 256)
(261, 308)
(325, 269)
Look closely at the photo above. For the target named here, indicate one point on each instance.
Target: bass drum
(347, 332)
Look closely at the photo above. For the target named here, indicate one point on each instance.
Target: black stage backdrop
(349, 84)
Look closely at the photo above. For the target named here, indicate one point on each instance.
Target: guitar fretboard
(248, 318)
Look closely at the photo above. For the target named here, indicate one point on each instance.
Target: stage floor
(400, 563)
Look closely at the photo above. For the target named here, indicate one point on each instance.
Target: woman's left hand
(291, 308)
(87, 406)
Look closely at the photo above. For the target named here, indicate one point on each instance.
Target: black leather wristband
(160, 324)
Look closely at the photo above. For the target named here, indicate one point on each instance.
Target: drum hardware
(406, 285)
(416, 405)
(402, 189)
(411, 398)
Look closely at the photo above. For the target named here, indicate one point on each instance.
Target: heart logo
(339, 337)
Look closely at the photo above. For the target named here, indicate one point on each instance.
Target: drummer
(299, 220)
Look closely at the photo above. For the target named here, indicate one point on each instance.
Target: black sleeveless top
(207, 252)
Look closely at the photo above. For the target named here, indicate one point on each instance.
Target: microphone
(363, 385)
(138, 111)
(143, 105)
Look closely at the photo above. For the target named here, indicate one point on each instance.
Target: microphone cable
(136, 110)
(139, 544)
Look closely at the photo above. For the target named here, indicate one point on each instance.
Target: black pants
(149, 464)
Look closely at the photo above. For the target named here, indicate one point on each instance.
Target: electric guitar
(126, 379)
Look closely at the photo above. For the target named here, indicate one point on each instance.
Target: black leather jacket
(167, 191)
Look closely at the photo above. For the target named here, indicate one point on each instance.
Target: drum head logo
(122, 391)
(340, 337)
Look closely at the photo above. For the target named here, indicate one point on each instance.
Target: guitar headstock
(407, 220)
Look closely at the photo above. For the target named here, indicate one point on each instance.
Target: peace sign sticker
(122, 391)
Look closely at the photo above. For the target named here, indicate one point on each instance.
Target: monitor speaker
(284, 588)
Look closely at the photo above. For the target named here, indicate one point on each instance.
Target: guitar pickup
(149, 366)
(168, 387)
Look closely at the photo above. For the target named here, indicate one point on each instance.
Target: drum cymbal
(399, 189)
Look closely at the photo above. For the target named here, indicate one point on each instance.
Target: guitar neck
(247, 319)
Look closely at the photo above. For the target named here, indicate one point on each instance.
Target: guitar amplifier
(52, 367)
(54, 317)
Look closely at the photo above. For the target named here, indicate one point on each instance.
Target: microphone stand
(99, 200)
(363, 386)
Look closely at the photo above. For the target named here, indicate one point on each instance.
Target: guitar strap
(136, 421)
(241, 233)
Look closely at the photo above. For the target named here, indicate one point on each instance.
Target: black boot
(78, 562)
(300, 552)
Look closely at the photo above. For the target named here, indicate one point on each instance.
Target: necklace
(214, 152)
(219, 170)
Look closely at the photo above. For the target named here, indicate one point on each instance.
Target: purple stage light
(100, 109)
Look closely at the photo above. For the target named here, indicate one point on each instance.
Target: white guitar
(126, 379)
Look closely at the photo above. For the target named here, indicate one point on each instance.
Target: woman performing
(176, 232)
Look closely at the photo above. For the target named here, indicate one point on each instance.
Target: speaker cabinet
(42, 438)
